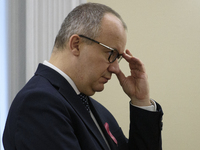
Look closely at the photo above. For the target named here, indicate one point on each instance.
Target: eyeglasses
(114, 54)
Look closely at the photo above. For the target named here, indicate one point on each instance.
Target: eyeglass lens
(114, 55)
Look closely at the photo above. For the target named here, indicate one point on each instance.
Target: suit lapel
(101, 124)
(67, 91)
(76, 103)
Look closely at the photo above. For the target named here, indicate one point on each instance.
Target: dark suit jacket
(47, 114)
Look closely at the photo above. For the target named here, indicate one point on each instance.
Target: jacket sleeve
(145, 129)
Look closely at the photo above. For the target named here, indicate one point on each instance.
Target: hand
(136, 85)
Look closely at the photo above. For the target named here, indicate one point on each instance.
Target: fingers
(130, 58)
(128, 52)
(134, 63)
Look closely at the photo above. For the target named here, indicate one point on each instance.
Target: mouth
(105, 79)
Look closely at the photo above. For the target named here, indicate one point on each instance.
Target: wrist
(143, 102)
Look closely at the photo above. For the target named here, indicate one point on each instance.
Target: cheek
(94, 66)
(94, 74)
(98, 69)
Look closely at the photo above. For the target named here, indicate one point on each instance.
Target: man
(48, 113)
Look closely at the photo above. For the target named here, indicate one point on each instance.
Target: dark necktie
(84, 99)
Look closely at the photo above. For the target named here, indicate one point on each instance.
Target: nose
(114, 67)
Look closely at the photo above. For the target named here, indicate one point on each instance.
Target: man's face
(95, 69)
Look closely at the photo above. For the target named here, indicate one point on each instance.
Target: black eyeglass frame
(118, 56)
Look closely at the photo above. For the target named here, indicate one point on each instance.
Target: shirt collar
(71, 82)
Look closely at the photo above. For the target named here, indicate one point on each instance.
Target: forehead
(113, 33)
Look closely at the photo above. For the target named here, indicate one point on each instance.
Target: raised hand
(136, 84)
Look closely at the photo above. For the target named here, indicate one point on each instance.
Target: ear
(74, 43)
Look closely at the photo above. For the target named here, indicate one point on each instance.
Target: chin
(95, 88)
(93, 91)
(99, 89)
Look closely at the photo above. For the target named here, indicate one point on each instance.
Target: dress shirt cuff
(152, 107)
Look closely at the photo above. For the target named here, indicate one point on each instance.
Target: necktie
(84, 99)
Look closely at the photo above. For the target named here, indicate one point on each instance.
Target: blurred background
(165, 35)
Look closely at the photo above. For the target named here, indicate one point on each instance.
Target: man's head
(85, 19)
(83, 60)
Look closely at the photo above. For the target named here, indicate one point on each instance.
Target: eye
(110, 52)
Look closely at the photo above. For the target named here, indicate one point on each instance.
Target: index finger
(134, 63)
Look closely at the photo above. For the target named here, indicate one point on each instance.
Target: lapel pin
(106, 125)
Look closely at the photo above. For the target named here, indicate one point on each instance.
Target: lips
(105, 79)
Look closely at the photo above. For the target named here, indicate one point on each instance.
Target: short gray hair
(85, 19)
